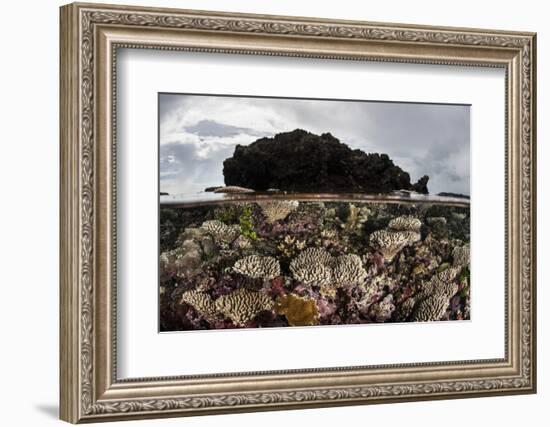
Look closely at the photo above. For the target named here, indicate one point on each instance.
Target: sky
(198, 132)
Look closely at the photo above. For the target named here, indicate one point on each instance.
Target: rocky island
(300, 161)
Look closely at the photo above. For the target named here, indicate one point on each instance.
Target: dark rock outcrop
(457, 195)
(300, 161)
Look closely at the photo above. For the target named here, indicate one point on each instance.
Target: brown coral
(242, 305)
(275, 210)
(258, 267)
(298, 311)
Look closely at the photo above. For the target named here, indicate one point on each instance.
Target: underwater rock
(436, 220)
(300, 161)
(220, 231)
(299, 311)
(185, 260)
(242, 242)
(258, 267)
(275, 210)
(242, 305)
(383, 310)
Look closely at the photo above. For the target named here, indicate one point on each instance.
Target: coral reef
(315, 266)
(275, 210)
(264, 263)
(401, 231)
(299, 311)
(258, 267)
(220, 231)
(390, 242)
(202, 302)
(242, 305)
(434, 297)
(405, 223)
(461, 256)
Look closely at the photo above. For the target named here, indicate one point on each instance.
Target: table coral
(275, 210)
(242, 305)
(315, 266)
(434, 298)
(201, 302)
(390, 242)
(461, 256)
(403, 223)
(221, 232)
(258, 267)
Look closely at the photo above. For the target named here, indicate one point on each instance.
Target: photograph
(277, 212)
(271, 209)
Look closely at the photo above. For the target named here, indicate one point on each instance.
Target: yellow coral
(298, 311)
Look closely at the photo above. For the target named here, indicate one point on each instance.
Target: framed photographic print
(266, 212)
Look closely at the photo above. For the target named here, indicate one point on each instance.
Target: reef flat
(277, 263)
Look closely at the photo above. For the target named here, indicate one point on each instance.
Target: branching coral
(221, 232)
(315, 266)
(275, 210)
(242, 305)
(298, 311)
(258, 267)
(201, 302)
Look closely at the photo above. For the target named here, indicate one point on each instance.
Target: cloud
(198, 132)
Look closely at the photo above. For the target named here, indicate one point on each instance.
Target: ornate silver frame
(90, 35)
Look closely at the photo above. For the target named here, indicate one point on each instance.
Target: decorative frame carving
(90, 36)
